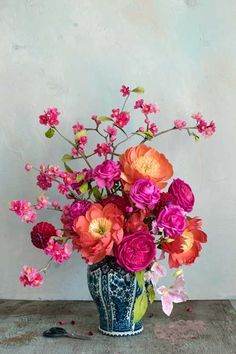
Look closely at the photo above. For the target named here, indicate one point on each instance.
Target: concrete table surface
(194, 327)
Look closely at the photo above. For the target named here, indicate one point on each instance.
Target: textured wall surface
(75, 54)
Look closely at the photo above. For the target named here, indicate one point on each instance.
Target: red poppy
(185, 249)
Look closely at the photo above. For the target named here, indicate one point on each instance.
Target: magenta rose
(136, 251)
(106, 174)
(144, 194)
(73, 211)
(183, 194)
(172, 219)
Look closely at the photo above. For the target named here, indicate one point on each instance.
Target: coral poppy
(185, 249)
(143, 161)
(136, 222)
(98, 231)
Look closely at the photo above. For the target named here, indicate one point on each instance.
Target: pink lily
(174, 294)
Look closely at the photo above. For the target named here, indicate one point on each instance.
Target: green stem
(44, 269)
(125, 101)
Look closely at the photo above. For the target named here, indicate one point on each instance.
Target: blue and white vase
(114, 290)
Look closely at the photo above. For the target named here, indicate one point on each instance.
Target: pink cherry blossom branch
(55, 180)
(98, 131)
(74, 145)
(167, 131)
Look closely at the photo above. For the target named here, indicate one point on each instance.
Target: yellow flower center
(147, 166)
(188, 240)
(99, 227)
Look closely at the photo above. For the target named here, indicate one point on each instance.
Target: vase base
(120, 334)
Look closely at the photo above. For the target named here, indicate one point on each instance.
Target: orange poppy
(185, 249)
(98, 231)
(143, 161)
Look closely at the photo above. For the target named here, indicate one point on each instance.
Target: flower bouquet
(117, 214)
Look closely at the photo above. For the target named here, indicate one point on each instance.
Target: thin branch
(54, 209)
(70, 142)
(125, 101)
(44, 269)
(86, 160)
(166, 131)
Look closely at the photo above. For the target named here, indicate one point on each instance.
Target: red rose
(136, 251)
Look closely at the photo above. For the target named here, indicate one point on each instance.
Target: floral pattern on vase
(114, 290)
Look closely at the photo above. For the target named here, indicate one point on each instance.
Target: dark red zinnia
(41, 233)
(165, 200)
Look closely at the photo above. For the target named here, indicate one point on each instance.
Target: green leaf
(67, 157)
(140, 278)
(49, 133)
(84, 187)
(96, 192)
(138, 133)
(148, 134)
(67, 168)
(140, 307)
(81, 133)
(138, 89)
(105, 119)
(196, 137)
(151, 294)
(79, 178)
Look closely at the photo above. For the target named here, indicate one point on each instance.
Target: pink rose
(106, 174)
(145, 194)
(183, 194)
(172, 220)
(136, 251)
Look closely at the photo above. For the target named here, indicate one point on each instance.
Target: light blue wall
(75, 54)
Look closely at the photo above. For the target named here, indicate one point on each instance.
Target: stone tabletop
(194, 327)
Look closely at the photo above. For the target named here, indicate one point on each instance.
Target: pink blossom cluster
(125, 90)
(121, 118)
(151, 128)
(180, 124)
(77, 127)
(103, 149)
(80, 139)
(67, 180)
(112, 132)
(50, 117)
(204, 128)
(96, 120)
(146, 108)
(81, 142)
(24, 210)
(43, 202)
(30, 276)
(59, 253)
(47, 175)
